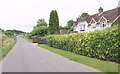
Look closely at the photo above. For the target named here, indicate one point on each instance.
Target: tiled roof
(110, 15)
(81, 19)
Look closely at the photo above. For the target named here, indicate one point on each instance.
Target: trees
(84, 14)
(13, 32)
(40, 31)
(54, 23)
(69, 24)
(41, 22)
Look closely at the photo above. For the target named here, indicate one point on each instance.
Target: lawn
(104, 66)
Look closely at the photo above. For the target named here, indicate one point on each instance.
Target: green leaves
(54, 23)
(99, 44)
(41, 31)
(41, 22)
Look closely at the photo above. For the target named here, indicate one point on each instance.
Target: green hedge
(98, 44)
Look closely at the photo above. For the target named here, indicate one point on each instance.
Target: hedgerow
(98, 44)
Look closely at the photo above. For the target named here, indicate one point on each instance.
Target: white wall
(91, 27)
(80, 26)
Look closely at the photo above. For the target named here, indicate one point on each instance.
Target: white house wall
(91, 27)
(80, 25)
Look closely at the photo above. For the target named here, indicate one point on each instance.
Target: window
(82, 28)
(103, 24)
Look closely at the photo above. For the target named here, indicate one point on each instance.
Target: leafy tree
(41, 22)
(40, 31)
(60, 27)
(12, 32)
(53, 23)
(9, 33)
(84, 14)
(71, 29)
(69, 24)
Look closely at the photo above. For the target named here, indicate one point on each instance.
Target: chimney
(100, 10)
(119, 4)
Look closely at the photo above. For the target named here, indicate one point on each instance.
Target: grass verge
(6, 46)
(101, 65)
(26, 38)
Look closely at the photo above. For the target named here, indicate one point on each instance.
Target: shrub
(41, 31)
(98, 44)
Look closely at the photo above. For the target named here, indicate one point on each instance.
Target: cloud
(23, 14)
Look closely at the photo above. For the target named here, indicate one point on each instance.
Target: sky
(23, 14)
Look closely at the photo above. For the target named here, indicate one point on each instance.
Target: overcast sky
(23, 14)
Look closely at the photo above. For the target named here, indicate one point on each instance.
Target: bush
(39, 40)
(98, 44)
(41, 31)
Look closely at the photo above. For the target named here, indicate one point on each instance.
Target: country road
(26, 57)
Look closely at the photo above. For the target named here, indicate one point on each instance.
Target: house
(99, 21)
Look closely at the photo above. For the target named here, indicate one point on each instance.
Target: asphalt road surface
(26, 57)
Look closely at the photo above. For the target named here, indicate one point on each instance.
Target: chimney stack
(100, 10)
(119, 4)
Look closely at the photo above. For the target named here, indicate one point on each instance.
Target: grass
(7, 45)
(101, 65)
(26, 38)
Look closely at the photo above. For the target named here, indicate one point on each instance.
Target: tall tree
(41, 22)
(54, 22)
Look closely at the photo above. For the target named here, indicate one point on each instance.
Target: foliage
(60, 27)
(41, 31)
(12, 32)
(6, 47)
(116, 23)
(41, 22)
(84, 14)
(9, 33)
(54, 23)
(8, 42)
(99, 44)
(102, 66)
(71, 29)
(69, 24)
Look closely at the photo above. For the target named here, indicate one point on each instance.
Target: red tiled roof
(110, 15)
(95, 16)
(81, 19)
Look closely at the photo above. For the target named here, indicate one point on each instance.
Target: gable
(107, 16)
(102, 19)
(92, 21)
